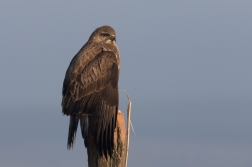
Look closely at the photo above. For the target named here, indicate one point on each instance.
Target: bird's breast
(113, 48)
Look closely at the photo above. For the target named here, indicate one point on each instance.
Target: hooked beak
(112, 38)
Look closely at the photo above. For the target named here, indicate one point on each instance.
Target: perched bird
(90, 90)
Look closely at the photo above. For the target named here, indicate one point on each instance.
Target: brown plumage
(90, 90)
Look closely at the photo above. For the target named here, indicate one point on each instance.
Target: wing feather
(94, 92)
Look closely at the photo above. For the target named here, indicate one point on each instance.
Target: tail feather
(73, 125)
(84, 128)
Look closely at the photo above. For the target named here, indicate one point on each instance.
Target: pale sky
(187, 66)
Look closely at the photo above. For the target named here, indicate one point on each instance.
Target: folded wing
(93, 93)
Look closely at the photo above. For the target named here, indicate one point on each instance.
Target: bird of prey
(90, 90)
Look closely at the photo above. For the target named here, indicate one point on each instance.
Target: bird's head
(104, 34)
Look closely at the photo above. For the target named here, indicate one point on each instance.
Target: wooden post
(118, 156)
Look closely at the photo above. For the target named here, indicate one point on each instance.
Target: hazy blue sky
(187, 66)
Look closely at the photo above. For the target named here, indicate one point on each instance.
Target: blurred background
(187, 66)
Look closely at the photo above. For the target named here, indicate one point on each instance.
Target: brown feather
(90, 91)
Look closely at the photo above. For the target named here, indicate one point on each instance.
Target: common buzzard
(90, 90)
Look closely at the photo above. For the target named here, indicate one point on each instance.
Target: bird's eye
(105, 34)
